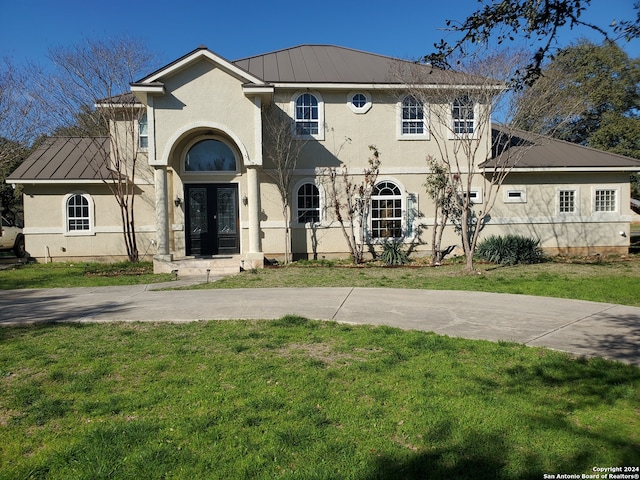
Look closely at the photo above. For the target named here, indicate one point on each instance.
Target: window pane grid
(308, 204)
(463, 116)
(386, 211)
(412, 116)
(605, 201)
(307, 115)
(567, 201)
(77, 213)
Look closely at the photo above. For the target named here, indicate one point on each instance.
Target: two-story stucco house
(205, 199)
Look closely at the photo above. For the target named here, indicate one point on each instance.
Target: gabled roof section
(65, 159)
(332, 64)
(527, 151)
(153, 83)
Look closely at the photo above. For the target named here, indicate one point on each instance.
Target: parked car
(11, 238)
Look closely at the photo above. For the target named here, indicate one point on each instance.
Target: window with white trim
(308, 203)
(413, 120)
(78, 213)
(359, 102)
(308, 113)
(515, 196)
(475, 195)
(386, 211)
(605, 200)
(143, 132)
(567, 201)
(463, 116)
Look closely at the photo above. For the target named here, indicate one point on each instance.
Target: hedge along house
(205, 200)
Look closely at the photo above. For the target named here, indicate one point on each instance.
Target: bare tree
(351, 202)
(20, 123)
(282, 149)
(86, 96)
(474, 154)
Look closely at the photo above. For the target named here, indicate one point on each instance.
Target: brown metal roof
(65, 158)
(333, 64)
(524, 150)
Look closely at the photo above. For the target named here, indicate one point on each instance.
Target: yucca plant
(510, 250)
(393, 253)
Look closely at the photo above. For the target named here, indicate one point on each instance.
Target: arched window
(463, 115)
(210, 155)
(308, 203)
(307, 115)
(78, 213)
(386, 211)
(412, 117)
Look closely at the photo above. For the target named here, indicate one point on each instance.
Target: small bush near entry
(393, 254)
(510, 250)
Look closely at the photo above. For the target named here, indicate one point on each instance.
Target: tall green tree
(604, 81)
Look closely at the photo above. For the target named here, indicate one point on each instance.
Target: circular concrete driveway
(573, 326)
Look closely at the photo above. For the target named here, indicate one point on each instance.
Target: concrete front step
(192, 266)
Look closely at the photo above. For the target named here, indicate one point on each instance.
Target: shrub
(393, 254)
(510, 250)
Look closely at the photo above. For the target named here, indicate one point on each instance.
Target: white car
(11, 238)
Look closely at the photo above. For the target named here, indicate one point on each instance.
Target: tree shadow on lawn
(560, 392)
(25, 307)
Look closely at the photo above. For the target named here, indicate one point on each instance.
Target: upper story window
(307, 115)
(605, 200)
(308, 203)
(143, 132)
(413, 124)
(210, 155)
(78, 214)
(463, 116)
(386, 211)
(359, 102)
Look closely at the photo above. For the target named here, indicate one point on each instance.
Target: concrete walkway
(578, 327)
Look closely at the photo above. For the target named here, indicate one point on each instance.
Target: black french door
(212, 220)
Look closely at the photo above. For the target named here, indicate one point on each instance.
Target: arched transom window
(463, 113)
(308, 203)
(307, 115)
(78, 212)
(210, 155)
(412, 118)
(386, 211)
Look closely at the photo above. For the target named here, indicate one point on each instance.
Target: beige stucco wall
(203, 99)
(46, 237)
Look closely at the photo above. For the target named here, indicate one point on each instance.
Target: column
(255, 254)
(162, 214)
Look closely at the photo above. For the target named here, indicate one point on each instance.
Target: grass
(298, 399)
(50, 275)
(613, 281)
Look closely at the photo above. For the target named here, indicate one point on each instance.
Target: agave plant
(393, 253)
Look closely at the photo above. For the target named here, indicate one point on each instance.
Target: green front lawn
(297, 399)
(50, 275)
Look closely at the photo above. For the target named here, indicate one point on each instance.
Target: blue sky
(237, 29)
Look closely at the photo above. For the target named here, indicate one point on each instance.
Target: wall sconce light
(245, 200)
(177, 201)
